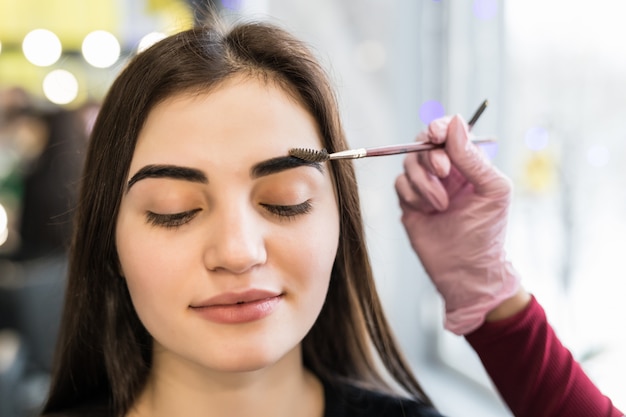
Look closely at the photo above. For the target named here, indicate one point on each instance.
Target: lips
(238, 307)
(231, 298)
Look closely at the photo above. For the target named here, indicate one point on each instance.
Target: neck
(283, 389)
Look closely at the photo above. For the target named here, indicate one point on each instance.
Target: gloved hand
(454, 208)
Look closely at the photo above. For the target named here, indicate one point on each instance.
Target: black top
(341, 400)
(351, 401)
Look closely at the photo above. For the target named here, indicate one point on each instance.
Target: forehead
(242, 116)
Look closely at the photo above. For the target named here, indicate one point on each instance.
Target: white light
(60, 86)
(370, 56)
(0, 47)
(4, 236)
(42, 47)
(4, 225)
(149, 40)
(598, 156)
(101, 49)
(4, 218)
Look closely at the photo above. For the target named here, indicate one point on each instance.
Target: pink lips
(243, 307)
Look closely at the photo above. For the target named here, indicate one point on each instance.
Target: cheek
(308, 253)
(152, 269)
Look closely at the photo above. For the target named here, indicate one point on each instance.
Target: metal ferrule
(349, 154)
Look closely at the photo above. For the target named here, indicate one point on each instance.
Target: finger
(425, 184)
(410, 200)
(436, 162)
(468, 158)
(438, 129)
(455, 183)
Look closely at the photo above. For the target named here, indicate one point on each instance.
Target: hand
(454, 208)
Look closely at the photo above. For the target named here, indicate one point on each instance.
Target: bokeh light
(598, 156)
(150, 39)
(60, 86)
(4, 225)
(4, 236)
(370, 56)
(101, 49)
(540, 174)
(431, 110)
(536, 138)
(41, 47)
(485, 9)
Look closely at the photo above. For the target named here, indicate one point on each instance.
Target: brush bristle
(310, 155)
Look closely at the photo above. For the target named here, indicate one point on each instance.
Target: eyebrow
(261, 169)
(168, 171)
(279, 164)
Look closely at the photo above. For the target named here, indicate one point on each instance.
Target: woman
(151, 294)
(211, 274)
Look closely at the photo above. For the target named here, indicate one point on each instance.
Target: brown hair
(104, 352)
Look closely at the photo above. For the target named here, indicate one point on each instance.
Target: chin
(252, 361)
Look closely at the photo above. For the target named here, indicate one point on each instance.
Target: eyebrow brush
(313, 155)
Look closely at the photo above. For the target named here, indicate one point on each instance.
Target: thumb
(468, 158)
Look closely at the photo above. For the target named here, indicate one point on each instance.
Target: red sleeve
(534, 373)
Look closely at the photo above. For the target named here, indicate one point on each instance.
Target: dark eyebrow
(168, 171)
(279, 164)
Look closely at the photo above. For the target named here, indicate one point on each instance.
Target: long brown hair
(104, 352)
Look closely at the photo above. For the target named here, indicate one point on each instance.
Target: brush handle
(414, 147)
(424, 146)
(408, 147)
(401, 148)
(477, 114)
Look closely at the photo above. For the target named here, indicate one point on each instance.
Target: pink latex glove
(454, 208)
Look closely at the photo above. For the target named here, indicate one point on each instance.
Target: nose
(235, 240)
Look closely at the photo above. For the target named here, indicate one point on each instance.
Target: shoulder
(345, 400)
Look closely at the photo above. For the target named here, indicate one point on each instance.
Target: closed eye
(288, 211)
(172, 220)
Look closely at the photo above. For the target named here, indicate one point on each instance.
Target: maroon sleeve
(534, 373)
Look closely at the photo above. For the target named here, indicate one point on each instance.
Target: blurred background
(554, 73)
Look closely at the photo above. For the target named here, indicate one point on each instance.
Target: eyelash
(289, 212)
(175, 220)
(172, 221)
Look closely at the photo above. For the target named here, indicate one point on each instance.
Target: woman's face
(226, 244)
